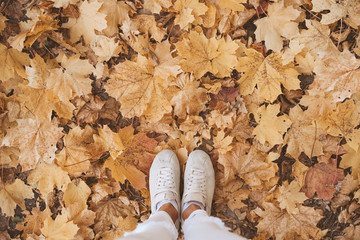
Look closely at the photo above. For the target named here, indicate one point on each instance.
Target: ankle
(189, 210)
(169, 209)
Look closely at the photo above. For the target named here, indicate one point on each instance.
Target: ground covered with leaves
(91, 90)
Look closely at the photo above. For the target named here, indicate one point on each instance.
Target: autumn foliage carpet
(91, 90)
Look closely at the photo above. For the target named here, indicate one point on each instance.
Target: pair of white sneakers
(199, 181)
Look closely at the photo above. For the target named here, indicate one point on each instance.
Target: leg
(159, 226)
(199, 225)
(199, 185)
(164, 181)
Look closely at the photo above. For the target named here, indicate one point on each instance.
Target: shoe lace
(197, 181)
(165, 178)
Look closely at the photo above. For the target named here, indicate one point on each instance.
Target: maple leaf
(13, 63)
(302, 128)
(33, 222)
(337, 73)
(222, 121)
(338, 10)
(116, 14)
(134, 86)
(74, 157)
(200, 55)
(155, 6)
(63, 3)
(271, 128)
(71, 79)
(188, 11)
(190, 99)
(36, 140)
(147, 24)
(280, 21)
(236, 5)
(343, 122)
(89, 20)
(59, 229)
(39, 99)
(290, 196)
(76, 192)
(46, 176)
(248, 163)
(222, 143)
(105, 47)
(2, 22)
(14, 194)
(318, 103)
(280, 224)
(351, 159)
(111, 141)
(166, 65)
(322, 179)
(267, 74)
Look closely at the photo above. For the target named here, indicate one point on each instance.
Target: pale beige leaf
(59, 229)
(13, 63)
(76, 192)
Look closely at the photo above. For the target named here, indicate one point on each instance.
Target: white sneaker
(199, 180)
(164, 180)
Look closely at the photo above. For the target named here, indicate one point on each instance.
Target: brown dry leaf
(302, 128)
(14, 194)
(290, 197)
(74, 157)
(148, 25)
(338, 73)
(122, 170)
(280, 21)
(351, 159)
(155, 6)
(46, 176)
(322, 179)
(221, 120)
(232, 195)
(318, 103)
(111, 141)
(248, 163)
(116, 13)
(278, 223)
(270, 128)
(59, 229)
(88, 109)
(63, 3)
(267, 74)
(343, 122)
(83, 218)
(14, 63)
(133, 84)
(236, 5)
(42, 25)
(33, 222)
(105, 48)
(71, 79)
(36, 140)
(102, 189)
(190, 99)
(200, 55)
(90, 19)
(222, 144)
(2, 22)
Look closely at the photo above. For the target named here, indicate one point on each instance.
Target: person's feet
(199, 184)
(164, 181)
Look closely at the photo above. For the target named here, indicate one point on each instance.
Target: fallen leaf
(14, 63)
(76, 192)
(290, 197)
(59, 229)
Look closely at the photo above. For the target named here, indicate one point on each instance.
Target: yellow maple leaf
(351, 159)
(236, 5)
(59, 229)
(277, 223)
(38, 96)
(46, 176)
(343, 122)
(188, 11)
(190, 99)
(76, 192)
(90, 19)
(14, 194)
(13, 63)
(290, 196)
(267, 74)
(280, 21)
(200, 55)
(111, 141)
(116, 13)
(74, 157)
(222, 144)
(105, 47)
(337, 72)
(271, 128)
(155, 6)
(134, 86)
(318, 103)
(71, 79)
(36, 140)
(302, 128)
